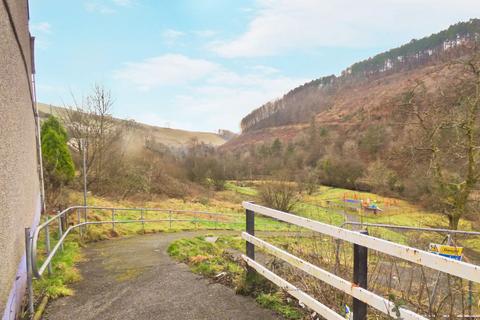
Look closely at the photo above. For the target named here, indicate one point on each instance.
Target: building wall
(20, 202)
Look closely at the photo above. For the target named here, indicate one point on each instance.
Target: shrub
(280, 195)
(57, 160)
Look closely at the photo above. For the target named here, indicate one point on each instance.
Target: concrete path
(134, 278)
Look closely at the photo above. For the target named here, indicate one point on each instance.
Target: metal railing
(410, 228)
(358, 288)
(35, 270)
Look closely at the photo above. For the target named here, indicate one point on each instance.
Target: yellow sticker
(444, 249)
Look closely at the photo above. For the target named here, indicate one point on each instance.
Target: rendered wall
(19, 183)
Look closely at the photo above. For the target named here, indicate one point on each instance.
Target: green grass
(206, 258)
(212, 259)
(63, 273)
(277, 303)
(247, 191)
(317, 213)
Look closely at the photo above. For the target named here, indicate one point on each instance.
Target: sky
(204, 64)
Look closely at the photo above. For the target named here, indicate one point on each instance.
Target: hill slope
(363, 92)
(143, 133)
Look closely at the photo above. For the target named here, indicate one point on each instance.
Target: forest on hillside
(302, 103)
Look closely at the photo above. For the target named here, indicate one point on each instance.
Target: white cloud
(284, 25)
(123, 3)
(165, 70)
(106, 6)
(41, 31)
(98, 7)
(222, 106)
(205, 33)
(41, 27)
(213, 95)
(171, 36)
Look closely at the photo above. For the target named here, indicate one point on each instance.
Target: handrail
(38, 271)
(43, 225)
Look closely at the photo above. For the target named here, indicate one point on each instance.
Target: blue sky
(204, 64)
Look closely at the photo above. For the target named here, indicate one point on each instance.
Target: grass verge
(220, 260)
(64, 273)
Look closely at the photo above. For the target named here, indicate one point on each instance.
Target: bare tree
(444, 131)
(92, 121)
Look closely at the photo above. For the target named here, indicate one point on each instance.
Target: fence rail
(410, 228)
(453, 267)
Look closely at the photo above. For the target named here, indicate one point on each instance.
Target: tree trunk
(453, 221)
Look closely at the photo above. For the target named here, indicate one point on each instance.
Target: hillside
(143, 134)
(363, 92)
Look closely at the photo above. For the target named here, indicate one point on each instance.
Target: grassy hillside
(169, 137)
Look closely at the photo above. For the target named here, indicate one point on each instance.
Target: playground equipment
(365, 204)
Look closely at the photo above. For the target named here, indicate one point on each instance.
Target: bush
(280, 195)
(342, 173)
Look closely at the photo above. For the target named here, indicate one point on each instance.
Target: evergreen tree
(58, 165)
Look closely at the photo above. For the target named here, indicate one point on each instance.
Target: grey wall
(19, 182)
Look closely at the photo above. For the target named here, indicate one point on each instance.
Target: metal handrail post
(85, 217)
(28, 261)
(60, 231)
(113, 219)
(79, 218)
(47, 245)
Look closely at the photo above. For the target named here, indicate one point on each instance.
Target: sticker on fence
(446, 251)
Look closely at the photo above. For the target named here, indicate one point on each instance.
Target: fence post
(47, 245)
(28, 261)
(250, 228)
(170, 220)
(360, 272)
(64, 219)
(143, 220)
(470, 298)
(60, 231)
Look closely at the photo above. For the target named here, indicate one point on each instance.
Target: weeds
(221, 261)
